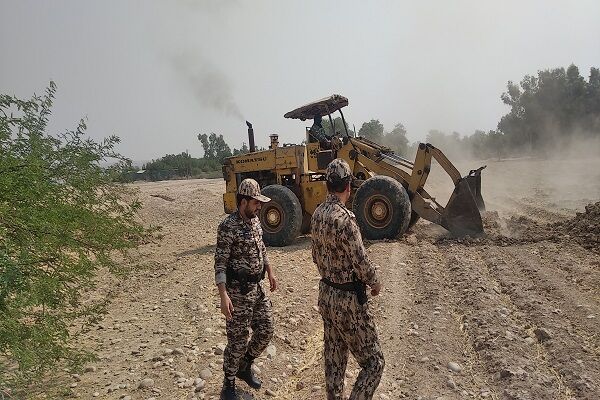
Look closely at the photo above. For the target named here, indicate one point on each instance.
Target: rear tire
(382, 208)
(414, 218)
(281, 218)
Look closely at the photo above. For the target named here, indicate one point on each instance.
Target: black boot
(228, 391)
(245, 372)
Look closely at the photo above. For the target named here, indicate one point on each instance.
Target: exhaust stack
(251, 137)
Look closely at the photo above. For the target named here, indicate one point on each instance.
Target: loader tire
(414, 218)
(281, 218)
(382, 208)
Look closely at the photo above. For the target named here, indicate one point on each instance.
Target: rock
(542, 334)
(505, 373)
(205, 374)
(454, 367)
(316, 388)
(300, 385)
(90, 368)
(219, 349)
(96, 394)
(269, 392)
(146, 383)
(450, 383)
(529, 340)
(178, 351)
(412, 240)
(199, 384)
(271, 351)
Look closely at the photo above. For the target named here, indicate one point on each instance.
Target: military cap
(249, 187)
(337, 169)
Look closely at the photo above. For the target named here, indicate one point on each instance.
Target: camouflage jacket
(239, 245)
(337, 246)
(318, 132)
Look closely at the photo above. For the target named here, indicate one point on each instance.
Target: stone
(146, 383)
(205, 374)
(542, 334)
(454, 367)
(271, 351)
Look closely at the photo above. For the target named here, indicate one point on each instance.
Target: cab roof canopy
(321, 108)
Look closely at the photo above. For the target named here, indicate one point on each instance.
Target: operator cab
(315, 111)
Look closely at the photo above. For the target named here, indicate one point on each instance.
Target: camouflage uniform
(317, 131)
(340, 256)
(241, 248)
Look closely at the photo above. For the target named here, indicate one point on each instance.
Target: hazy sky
(158, 73)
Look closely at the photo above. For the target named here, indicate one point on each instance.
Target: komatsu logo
(249, 160)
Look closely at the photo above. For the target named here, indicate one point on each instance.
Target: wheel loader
(388, 191)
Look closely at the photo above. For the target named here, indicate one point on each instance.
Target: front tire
(382, 208)
(281, 218)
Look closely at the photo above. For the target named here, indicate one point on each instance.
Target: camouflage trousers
(251, 310)
(349, 327)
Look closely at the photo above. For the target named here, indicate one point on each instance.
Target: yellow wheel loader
(388, 196)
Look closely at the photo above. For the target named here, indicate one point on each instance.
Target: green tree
(397, 140)
(61, 220)
(242, 150)
(339, 127)
(550, 108)
(214, 147)
(372, 130)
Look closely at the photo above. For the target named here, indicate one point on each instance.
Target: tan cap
(337, 169)
(249, 187)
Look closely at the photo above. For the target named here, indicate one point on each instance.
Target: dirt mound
(584, 227)
(514, 230)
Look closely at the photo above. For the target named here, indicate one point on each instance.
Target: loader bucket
(474, 181)
(461, 216)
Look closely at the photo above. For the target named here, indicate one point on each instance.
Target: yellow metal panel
(286, 158)
(229, 203)
(311, 150)
(314, 193)
(259, 161)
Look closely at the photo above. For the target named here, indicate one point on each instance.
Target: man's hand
(272, 282)
(375, 289)
(226, 306)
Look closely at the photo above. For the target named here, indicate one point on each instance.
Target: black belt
(348, 286)
(243, 278)
(357, 287)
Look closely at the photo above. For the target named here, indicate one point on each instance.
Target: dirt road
(514, 315)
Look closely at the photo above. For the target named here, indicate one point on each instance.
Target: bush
(61, 220)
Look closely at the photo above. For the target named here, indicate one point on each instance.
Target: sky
(158, 73)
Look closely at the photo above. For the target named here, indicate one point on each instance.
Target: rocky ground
(512, 315)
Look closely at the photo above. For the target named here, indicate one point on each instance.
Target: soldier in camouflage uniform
(240, 264)
(345, 269)
(317, 131)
